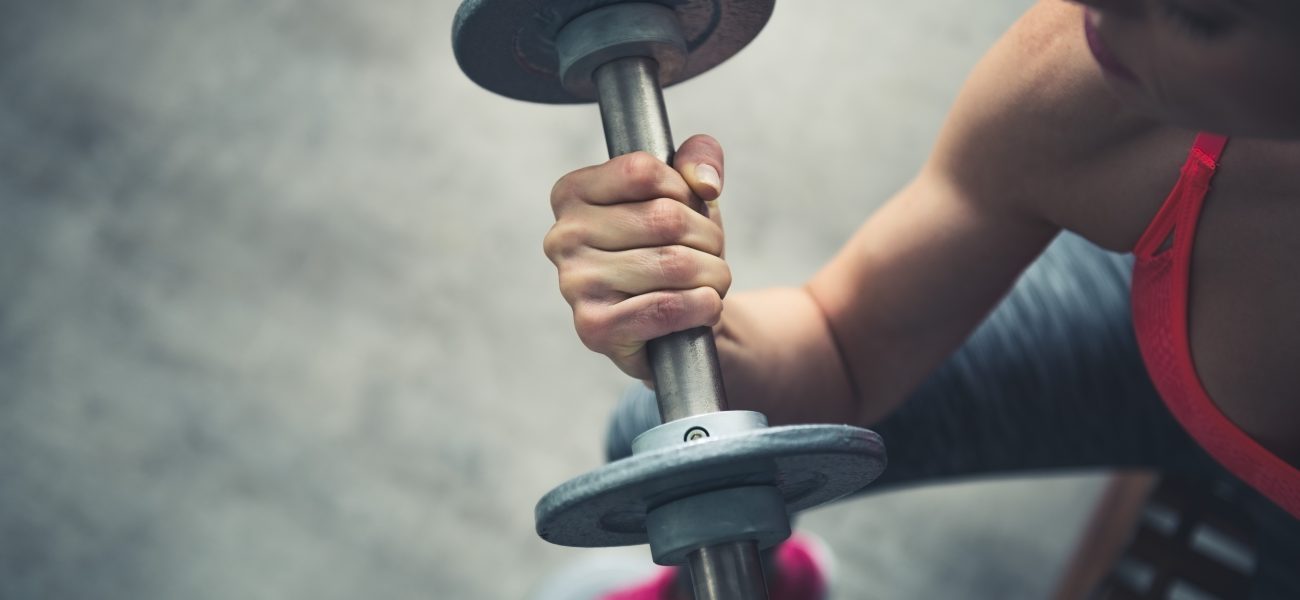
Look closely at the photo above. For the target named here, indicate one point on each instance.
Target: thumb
(699, 160)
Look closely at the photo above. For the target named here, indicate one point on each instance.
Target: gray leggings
(1051, 381)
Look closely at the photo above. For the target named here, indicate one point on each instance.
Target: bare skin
(1040, 140)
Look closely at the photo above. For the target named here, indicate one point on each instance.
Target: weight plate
(810, 464)
(508, 46)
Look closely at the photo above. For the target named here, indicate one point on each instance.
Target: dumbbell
(710, 487)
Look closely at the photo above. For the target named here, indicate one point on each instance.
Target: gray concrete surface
(275, 322)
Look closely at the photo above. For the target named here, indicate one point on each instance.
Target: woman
(1078, 119)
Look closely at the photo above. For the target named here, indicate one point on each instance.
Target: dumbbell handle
(688, 380)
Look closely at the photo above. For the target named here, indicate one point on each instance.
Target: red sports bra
(1160, 289)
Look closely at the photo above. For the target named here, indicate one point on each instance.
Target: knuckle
(580, 283)
(670, 310)
(593, 327)
(704, 146)
(561, 240)
(640, 170)
(706, 140)
(562, 192)
(667, 220)
(713, 144)
(675, 264)
(552, 245)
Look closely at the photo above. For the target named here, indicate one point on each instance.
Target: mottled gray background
(275, 321)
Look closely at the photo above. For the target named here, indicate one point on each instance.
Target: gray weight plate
(508, 46)
(811, 464)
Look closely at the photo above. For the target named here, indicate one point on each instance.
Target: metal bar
(727, 572)
(632, 108)
(688, 380)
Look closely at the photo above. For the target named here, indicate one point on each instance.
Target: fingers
(661, 222)
(628, 178)
(637, 244)
(620, 330)
(608, 277)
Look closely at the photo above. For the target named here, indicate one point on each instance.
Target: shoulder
(1036, 130)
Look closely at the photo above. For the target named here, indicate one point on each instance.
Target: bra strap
(1210, 147)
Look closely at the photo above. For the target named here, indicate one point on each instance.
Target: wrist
(779, 358)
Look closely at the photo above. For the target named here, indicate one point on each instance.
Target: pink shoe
(805, 567)
(802, 563)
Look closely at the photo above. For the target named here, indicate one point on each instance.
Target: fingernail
(709, 176)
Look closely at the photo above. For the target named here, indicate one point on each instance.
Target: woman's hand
(638, 246)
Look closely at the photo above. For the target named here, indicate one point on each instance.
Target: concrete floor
(275, 321)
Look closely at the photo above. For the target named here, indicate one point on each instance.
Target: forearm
(779, 358)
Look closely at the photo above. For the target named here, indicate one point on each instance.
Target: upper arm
(920, 273)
